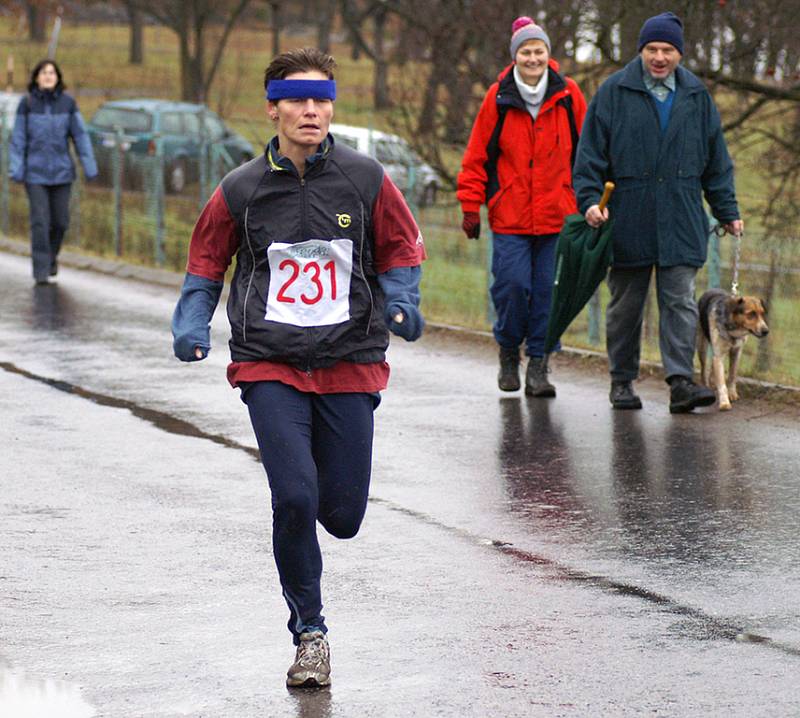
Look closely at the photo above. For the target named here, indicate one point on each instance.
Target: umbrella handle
(607, 190)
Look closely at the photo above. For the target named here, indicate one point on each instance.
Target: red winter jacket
(534, 165)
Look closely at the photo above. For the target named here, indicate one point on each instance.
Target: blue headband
(301, 89)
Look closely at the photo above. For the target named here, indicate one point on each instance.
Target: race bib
(310, 282)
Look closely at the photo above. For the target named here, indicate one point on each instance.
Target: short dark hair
(32, 85)
(304, 59)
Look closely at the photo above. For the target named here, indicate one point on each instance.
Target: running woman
(328, 261)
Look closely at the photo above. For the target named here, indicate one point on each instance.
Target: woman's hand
(472, 225)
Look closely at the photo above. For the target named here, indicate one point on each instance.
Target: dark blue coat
(40, 142)
(660, 179)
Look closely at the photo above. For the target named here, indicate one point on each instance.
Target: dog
(726, 320)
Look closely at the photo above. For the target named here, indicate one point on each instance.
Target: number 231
(316, 279)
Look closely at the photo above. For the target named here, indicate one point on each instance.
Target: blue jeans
(317, 451)
(49, 219)
(523, 267)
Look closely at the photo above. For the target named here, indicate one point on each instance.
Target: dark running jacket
(44, 124)
(265, 202)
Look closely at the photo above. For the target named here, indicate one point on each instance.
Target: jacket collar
(280, 163)
(508, 92)
(46, 94)
(633, 78)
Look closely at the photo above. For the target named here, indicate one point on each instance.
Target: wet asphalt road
(519, 557)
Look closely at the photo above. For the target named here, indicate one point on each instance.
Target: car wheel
(428, 196)
(176, 177)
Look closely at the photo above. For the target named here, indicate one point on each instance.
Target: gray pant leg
(39, 205)
(59, 215)
(624, 316)
(677, 319)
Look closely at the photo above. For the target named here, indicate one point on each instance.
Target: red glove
(472, 225)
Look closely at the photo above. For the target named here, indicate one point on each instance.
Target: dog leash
(737, 251)
(720, 231)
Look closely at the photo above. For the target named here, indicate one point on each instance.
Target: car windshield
(127, 120)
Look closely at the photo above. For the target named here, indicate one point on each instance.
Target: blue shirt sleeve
(83, 144)
(192, 317)
(400, 287)
(19, 143)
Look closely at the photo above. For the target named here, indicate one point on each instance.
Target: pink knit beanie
(524, 29)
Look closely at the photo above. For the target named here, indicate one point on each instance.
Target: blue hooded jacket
(39, 144)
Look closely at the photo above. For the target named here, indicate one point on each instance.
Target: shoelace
(313, 653)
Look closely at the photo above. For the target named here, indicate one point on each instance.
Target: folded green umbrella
(583, 255)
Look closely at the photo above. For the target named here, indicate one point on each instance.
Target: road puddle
(24, 697)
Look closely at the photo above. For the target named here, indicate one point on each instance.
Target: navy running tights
(317, 451)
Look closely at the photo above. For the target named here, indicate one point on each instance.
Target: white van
(402, 164)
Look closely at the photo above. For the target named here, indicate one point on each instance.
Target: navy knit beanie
(666, 27)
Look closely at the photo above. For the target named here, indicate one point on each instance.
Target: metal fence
(457, 278)
(130, 215)
(128, 212)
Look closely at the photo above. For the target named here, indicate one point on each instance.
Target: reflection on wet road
(646, 539)
(25, 697)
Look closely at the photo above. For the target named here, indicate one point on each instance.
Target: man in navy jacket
(653, 129)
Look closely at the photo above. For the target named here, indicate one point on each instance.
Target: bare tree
(747, 49)
(193, 21)
(275, 24)
(355, 14)
(36, 14)
(136, 42)
(326, 13)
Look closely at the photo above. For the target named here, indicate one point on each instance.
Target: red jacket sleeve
(214, 240)
(398, 241)
(471, 184)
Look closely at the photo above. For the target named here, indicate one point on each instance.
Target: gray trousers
(49, 219)
(677, 319)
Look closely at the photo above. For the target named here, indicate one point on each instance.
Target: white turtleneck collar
(533, 95)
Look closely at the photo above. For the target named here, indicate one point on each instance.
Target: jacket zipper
(363, 276)
(304, 230)
(252, 274)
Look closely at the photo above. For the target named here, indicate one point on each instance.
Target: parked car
(397, 158)
(179, 126)
(9, 102)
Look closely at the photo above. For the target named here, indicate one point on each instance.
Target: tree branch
(768, 91)
(232, 19)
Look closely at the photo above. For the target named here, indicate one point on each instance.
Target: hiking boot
(312, 663)
(685, 395)
(623, 397)
(508, 376)
(536, 383)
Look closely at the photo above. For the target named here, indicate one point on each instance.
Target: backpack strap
(493, 154)
(493, 146)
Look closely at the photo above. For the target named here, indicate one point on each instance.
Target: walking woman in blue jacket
(46, 118)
